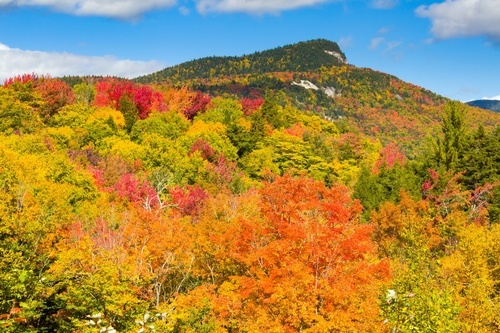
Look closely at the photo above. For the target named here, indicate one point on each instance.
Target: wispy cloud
(463, 18)
(16, 61)
(375, 42)
(383, 30)
(184, 10)
(392, 45)
(384, 4)
(345, 42)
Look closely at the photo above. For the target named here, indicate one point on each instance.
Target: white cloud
(384, 4)
(392, 45)
(463, 18)
(345, 42)
(494, 98)
(131, 9)
(383, 30)
(15, 62)
(122, 9)
(253, 6)
(184, 10)
(375, 42)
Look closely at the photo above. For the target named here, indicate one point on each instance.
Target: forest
(227, 205)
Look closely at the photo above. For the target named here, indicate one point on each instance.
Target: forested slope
(300, 57)
(304, 75)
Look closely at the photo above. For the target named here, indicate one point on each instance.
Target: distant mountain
(300, 57)
(487, 104)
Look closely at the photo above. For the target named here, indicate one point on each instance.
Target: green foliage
(448, 149)
(129, 111)
(84, 93)
(16, 116)
(373, 189)
(235, 221)
(168, 124)
(224, 111)
(480, 166)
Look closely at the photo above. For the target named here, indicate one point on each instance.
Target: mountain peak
(300, 57)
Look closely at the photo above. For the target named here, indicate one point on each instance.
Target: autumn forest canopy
(284, 191)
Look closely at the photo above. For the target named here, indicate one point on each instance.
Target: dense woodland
(300, 57)
(225, 206)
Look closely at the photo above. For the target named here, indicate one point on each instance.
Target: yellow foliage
(64, 136)
(471, 268)
(202, 127)
(104, 113)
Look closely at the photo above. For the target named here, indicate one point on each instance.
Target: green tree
(449, 147)
(167, 124)
(84, 93)
(129, 110)
(481, 165)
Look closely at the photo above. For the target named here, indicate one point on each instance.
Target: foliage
(297, 57)
(229, 203)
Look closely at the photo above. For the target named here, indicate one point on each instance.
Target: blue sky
(451, 47)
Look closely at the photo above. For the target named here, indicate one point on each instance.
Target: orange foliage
(292, 256)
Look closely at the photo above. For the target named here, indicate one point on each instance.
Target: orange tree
(290, 257)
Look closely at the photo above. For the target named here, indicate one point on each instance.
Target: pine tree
(449, 148)
(129, 111)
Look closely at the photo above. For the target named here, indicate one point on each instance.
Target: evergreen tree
(449, 148)
(481, 165)
(129, 111)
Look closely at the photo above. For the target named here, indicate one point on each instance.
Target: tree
(291, 257)
(84, 93)
(448, 149)
(55, 94)
(481, 166)
(129, 111)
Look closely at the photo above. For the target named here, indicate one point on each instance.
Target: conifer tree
(129, 111)
(448, 149)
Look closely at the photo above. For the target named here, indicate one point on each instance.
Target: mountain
(300, 57)
(314, 76)
(487, 104)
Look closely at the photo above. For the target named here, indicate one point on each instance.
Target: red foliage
(223, 170)
(56, 93)
(110, 91)
(427, 186)
(249, 105)
(24, 78)
(188, 200)
(198, 104)
(136, 190)
(98, 177)
(389, 155)
(206, 151)
(145, 98)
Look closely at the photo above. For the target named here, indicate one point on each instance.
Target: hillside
(486, 104)
(300, 57)
(307, 76)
